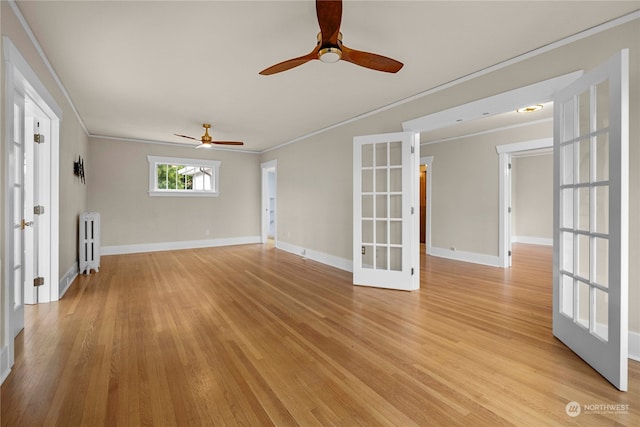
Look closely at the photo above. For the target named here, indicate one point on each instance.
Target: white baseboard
(634, 345)
(331, 260)
(68, 279)
(532, 240)
(5, 369)
(475, 258)
(172, 246)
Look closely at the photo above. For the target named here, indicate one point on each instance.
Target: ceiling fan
(207, 141)
(330, 48)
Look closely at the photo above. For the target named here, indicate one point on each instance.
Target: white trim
(173, 144)
(321, 257)
(173, 246)
(68, 278)
(530, 240)
(5, 368)
(153, 176)
(506, 101)
(472, 257)
(534, 144)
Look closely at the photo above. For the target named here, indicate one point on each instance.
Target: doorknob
(25, 224)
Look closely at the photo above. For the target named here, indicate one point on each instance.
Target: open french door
(386, 229)
(590, 249)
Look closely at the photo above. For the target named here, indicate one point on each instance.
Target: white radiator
(89, 242)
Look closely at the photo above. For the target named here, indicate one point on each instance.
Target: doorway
(269, 192)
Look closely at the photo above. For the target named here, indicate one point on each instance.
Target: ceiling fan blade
(228, 142)
(371, 60)
(290, 63)
(329, 14)
(190, 137)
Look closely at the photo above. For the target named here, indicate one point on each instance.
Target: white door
(386, 229)
(17, 220)
(268, 200)
(590, 249)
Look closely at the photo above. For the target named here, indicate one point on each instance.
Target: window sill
(189, 193)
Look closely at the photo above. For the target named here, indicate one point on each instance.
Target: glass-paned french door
(591, 218)
(386, 228)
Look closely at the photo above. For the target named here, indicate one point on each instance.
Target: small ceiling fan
(330, 48)
(207, 141)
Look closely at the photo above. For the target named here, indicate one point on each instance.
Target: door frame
(428, 162)
(19, 76)
(266, 168)
(505, 152)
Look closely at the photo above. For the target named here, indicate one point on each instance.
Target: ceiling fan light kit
(330, 49)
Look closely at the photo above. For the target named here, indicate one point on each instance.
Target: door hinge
(509, 253)
(509, 209)
(38, 281)
(412, 210)
(362, 251)
(412, 271)
(38, 138)
(509, 166)
(412, 149)
(38, 210)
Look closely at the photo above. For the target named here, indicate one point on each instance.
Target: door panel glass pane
(395, 153)
(602, 157)
(381, 154)
(17, 204)
(601, 328)
(367, 180)
(583, 161)
(583, 304)
(566, 163)
(395, 259)
(583, 208)
(602, 105)
(367, 155)
(381, 206)
(382, 258)
(381, 180)
(583, 257)
(568, 128)
(367, 256)
(395, 206)
(17, 245)
(566, 252)
(601, 202)
(367, 206)
(566, 296)
(584, 109)
(601, 261)
(381, 232)
(367, 231)
(395, 232)
(566, 196)
(395, 179)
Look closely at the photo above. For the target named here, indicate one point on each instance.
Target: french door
(590, 274)
(386, 229)
(18, 223)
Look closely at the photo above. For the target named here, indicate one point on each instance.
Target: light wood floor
(250, 335)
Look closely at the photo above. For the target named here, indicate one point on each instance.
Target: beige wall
(118, 182)
(316, 211)
(532, 201)
(73, 142)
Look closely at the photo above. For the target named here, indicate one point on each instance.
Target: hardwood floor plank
(250, 335)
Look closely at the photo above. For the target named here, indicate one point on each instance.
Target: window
(172, 176)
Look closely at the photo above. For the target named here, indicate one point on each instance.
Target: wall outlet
(304, 252)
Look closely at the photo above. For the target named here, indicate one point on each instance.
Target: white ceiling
(148, 69)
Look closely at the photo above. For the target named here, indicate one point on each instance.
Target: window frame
(154, 191)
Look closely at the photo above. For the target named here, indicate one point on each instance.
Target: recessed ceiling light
(530, 108)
